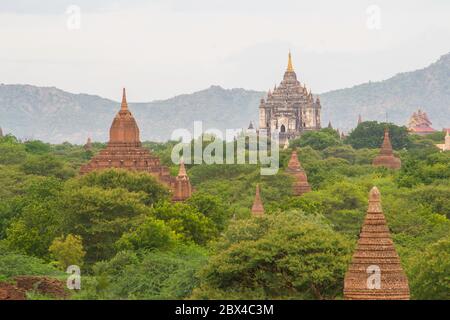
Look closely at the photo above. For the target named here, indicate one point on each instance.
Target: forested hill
(53, 115)
(399, 97)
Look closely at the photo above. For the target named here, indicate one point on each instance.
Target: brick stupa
(295, 169)
(182, 187)
(88, 145)
(124, 151)
(375, 272)
(386, 157)
(257, 208)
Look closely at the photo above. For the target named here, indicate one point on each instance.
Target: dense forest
(132, 242)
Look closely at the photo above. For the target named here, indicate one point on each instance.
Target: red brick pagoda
(182, 188)
(375, 272)
(124, 151)
(295, 169)
(257, 208)
(386, 157)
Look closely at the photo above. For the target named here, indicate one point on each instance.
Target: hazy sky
(160, 48)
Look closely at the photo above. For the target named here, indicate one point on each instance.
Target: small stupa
(386, 156)
(295, 169)
(257, 208)
(88, 145)
(182, 189)
(446, 145)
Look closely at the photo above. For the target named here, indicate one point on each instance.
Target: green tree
(318, 140)
(12, 153)
(67, 251)
(37, 147)
(370, 134)
(146, 274)
(212, 207)
(187, 222)
(151, 234)
(289, 255)
(430, 274)
(101, 216)
(37, 219)
(130, 181)
(47, 165)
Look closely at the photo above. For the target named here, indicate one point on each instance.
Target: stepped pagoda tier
(295, 169)
(420, 124)
(375, 272)
(290, 108)
(386, 157)
(257, 208)
(182, 189)
(124, 150)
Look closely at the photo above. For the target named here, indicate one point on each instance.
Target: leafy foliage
(288, 255)
(67, 251)
(370, 134)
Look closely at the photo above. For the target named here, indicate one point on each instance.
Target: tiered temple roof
(290, 108)
(295, 169)
(124, 150)
(386, 157)
(420, 124)
(257, 208)
(375, 272)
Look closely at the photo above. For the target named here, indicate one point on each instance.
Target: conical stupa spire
(88, 145)
(386, 147)
(257, 208)
(375, 272)
(124, 128)
(295, 169)
(386, 157)
(124, 105)
(182, 187)
(182, 169)
(1, 132)
(290, 68)
(359, 119)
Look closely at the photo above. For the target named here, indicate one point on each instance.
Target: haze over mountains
(53, 115)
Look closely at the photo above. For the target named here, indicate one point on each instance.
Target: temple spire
(88, 145)
(182, 169)
(182, 187)
(359, 119)
(386, 157)
(375, 272)
(294, 169)
(124, 105)
(290, 68)
(257, 208)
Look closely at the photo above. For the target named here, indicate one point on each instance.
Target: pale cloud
(162, 48)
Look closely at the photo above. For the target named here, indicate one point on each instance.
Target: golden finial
(289, 67)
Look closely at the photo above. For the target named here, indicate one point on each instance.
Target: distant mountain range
(53, 115)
